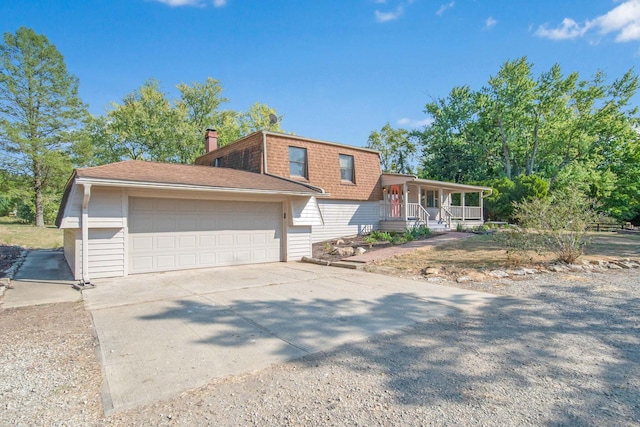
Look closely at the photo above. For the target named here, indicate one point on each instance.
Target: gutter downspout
(85, 234)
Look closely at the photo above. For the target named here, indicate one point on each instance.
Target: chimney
(210, 140)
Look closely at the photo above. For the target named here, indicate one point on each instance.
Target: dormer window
(217, 162)
(346, 168)
(298, 162)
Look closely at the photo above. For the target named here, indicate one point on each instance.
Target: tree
(561, 128)
(40, 113)
(396, 149)
(148, 125)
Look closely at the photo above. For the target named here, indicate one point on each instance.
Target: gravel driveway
(563, 350)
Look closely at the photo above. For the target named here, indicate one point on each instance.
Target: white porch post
(480, 194)
(462, 203)
(420, 196)
(85, 233)
(405, 201)
(440, 201)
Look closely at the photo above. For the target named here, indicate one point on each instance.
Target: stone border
(5, 282)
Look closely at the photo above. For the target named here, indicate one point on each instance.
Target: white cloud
(490, 23)
(444, 8)
(624, 20)
(569, 29)
(179, 3)
(409, 123)
(389, 16)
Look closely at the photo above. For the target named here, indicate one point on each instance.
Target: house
(264, 198)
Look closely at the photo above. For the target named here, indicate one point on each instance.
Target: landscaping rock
(558, 268)
(499, 274)
(575, 267)
(339, 242)
(430, 271)
(344, 252)
(360, 250)
(519, 272)
(614, 266)
(464, 279)
(529, 270)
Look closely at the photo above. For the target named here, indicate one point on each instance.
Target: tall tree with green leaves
(148, 125)
(40, 114)
(397, 151)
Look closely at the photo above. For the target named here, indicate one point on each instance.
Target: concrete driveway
(164, 333)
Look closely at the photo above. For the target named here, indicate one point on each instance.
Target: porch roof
(396, 179)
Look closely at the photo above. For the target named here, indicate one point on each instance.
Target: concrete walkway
(161, 334)
(391, 251)
(43, 278)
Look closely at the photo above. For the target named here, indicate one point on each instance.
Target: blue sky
(336, 70)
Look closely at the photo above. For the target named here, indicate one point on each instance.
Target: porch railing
(465, 212)
(414, 212)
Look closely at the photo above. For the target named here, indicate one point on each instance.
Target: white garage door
(172, 234)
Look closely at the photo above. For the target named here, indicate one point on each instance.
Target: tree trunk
(37, 186)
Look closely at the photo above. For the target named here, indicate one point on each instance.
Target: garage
(137, 217)
(175, 234)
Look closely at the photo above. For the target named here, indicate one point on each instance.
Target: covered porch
(411, 202)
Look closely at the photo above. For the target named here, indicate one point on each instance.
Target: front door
(395, 199)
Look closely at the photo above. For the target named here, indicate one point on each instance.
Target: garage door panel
(187, 242)
(141, 242)
(179, 234)
(165, 242)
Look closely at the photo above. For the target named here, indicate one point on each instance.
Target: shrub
(380, 236)
(556, 224)
(6, 206)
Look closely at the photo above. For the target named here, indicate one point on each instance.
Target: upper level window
(298, 161)
(217, 162)
(346, 168)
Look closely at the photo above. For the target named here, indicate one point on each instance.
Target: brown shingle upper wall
(244, 154)
(324, 167)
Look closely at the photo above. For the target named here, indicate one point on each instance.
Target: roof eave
(167, 186)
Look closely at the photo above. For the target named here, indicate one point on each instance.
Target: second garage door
(174, 234)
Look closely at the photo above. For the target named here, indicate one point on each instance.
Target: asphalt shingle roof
(205, 176)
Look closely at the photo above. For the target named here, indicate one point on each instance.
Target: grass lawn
(482, 252)
(12, 232)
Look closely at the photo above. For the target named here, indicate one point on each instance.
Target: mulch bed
(322, 250)
(8, 255)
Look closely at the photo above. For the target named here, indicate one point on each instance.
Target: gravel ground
(562, 349)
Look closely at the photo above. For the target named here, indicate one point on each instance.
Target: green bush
(6, 205)
(555, 224)
(25, 212)
(498, 207)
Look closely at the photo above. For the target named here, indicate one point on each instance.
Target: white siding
(105, 208)
(70, 248)
(345, 218)
(298, 243)
(73, 209)
(106, 253)
(305, 211)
